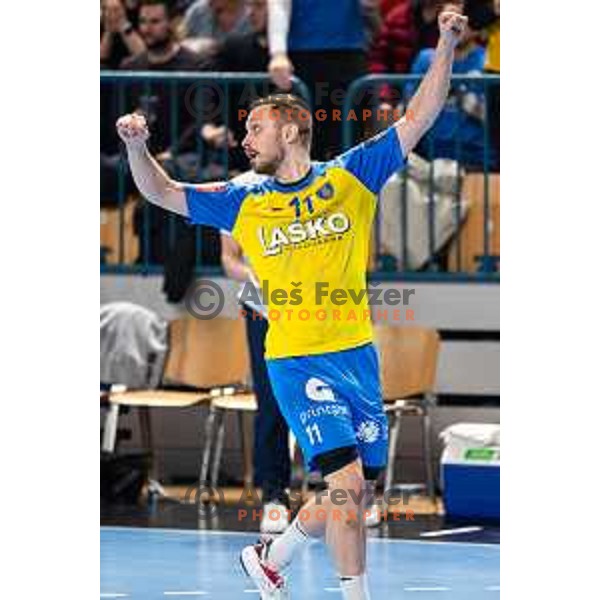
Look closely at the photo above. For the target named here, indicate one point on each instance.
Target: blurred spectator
(492, 62)
(162, 47)
(119, 37)
(409, 26)
(207, 22)
(385, 6)
(163, 53)
(165, 238)
(373, 20)
(492, 65)
(458, 132)
(181, 6)
(324, 44)
(485, 15)
(246, 52)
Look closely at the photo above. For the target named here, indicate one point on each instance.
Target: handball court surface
(166, 552)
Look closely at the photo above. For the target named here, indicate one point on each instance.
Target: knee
(348, 477)
(347, 494)
(343, 472)
(347, 484)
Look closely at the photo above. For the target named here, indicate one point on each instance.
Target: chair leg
(208, 437)
(109, 437)
(145, 427)
(246, 456)
(427, 453)
(146, 435)
(392, 448)
(216, 467)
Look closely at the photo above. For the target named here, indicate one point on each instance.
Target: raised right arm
(216, 204)
(150, 178)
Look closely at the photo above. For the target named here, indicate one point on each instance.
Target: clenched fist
(452, 26)
(133, 129)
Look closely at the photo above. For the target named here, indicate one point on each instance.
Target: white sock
(354, 587)
(282, 550)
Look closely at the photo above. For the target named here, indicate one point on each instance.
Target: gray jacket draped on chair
(133, 345)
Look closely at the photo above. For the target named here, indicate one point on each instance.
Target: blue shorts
(333, 400)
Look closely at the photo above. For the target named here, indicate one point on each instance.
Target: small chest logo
(325, 192)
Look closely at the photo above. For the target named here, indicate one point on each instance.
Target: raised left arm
(427, 103)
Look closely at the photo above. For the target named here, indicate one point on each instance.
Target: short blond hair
(289, 109)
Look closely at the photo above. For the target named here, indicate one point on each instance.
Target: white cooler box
(470, 468)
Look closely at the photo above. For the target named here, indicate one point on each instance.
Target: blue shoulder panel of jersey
(375, 160)
(216, 204)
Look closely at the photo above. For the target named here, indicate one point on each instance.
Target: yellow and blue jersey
(307, 239)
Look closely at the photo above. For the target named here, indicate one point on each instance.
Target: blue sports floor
(148, 564)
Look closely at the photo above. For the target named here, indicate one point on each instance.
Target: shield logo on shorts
(368, 432)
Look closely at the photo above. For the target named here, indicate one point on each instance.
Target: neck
(293, 168)
(163, 54)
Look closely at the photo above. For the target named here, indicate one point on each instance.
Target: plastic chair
(205, 356)
(408, 364)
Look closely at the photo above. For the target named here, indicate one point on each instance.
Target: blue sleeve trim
(216, 205)
(374, 161)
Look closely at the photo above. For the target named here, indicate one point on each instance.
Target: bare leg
(339, 514)
(312, 520)
(346, 532)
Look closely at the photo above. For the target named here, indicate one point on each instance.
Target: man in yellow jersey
(305, 230)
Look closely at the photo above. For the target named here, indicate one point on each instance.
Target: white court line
(251, 591)
(337, 589)
(114, 595)
(427, 589)
(492, 588)
(199, 532)
(180, 531)
(198, 593)
(443, 532)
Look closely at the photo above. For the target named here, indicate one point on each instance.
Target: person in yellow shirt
(305, 230)
(492, 65)
(484, 16)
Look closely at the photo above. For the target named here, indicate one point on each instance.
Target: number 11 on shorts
(314, 434)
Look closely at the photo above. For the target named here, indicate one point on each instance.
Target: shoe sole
(251, 566)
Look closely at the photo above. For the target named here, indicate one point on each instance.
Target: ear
(290, 132)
